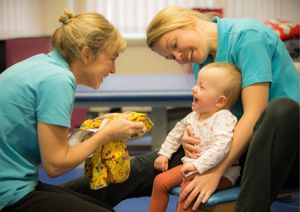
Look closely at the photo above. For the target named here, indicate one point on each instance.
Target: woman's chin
(97, 85)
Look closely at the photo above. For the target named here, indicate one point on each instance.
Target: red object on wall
(19, 49)
(285, 29)
(217, 11)
(78, 116)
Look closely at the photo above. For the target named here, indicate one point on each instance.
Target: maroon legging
(165, 181)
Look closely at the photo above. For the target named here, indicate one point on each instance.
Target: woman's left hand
(200, 188)
(189, 143)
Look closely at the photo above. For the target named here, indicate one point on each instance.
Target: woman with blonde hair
(268, 109)
(37, 99)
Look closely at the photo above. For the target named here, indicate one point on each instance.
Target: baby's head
(218, 87)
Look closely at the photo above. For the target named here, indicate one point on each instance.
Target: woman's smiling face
(99, 68)
(94, 68)
(185, 45)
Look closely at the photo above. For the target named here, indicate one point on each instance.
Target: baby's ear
(222, 101)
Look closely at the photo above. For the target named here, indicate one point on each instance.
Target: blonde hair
(232, 81)
(172, 18)
(87, 29)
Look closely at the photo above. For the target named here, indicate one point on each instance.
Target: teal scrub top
(260, 55)
(38, 89)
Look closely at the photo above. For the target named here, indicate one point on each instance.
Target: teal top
(38, 89)
(260, 55)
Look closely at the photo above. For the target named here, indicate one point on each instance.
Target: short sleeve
(253, 56)
(55, 100)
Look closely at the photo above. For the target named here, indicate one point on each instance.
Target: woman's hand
(189, 143)
(106, 116)
(122, 129)
(200, 189)
(161, 163)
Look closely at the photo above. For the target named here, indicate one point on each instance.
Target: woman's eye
(170, 57)
(114, 57)
(174, 45)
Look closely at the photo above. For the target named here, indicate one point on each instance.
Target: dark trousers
(271, 163)
(51, 198)
(272, 160)
(138, 184)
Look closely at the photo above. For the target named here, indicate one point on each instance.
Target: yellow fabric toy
(110, 163)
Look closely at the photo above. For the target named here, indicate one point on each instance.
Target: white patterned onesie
(215, 134)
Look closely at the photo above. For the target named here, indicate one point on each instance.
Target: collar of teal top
(58, 58)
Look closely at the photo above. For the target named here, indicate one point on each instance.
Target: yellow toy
(110, 163)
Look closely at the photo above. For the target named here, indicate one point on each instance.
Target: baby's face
(208, 90)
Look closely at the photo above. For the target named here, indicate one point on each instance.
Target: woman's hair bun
(66, 17)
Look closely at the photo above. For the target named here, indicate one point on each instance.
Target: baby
(217, 89)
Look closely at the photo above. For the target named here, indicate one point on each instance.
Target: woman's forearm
(56, 154)
(255, 100)
(76, 154)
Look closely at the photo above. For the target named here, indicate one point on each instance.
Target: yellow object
(110, 163)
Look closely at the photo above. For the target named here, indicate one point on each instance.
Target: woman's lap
(271, 157)
(47, 197)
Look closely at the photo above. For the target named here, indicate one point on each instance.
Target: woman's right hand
(122, 129)
(190, 143)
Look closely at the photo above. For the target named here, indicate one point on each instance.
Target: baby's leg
(163, 183)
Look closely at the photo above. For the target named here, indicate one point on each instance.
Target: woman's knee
(284, 107)
(282, 110)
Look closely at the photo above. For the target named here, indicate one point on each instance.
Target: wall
(139, 59)
(35, 18)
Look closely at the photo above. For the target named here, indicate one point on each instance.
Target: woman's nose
(178, 56)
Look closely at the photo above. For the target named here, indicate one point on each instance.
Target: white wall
(33, 18)
(139, 59)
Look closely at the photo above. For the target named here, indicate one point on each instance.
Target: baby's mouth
(195, 100)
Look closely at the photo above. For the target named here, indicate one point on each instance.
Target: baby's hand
(161, 163)
(187, 169)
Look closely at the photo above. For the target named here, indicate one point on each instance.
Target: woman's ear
(222, 101)
(85, 54)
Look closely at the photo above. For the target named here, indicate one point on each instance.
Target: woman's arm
(58, 157)
(255, 100)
